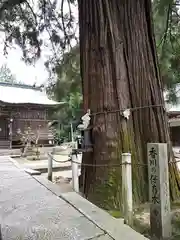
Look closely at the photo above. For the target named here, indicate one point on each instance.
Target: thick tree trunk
(120, 71)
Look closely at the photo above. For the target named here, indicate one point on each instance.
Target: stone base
(36, 158)
(33, 153)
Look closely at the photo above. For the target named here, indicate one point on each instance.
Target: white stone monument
(158, 173)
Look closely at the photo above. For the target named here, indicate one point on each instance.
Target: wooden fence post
(75, 173)
(50, 167)
(160, 214)
(127, 188)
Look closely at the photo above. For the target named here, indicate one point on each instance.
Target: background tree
(67, 88)
(167, 32)
(6, 75)
(32, 25)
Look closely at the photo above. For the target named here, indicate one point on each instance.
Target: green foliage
(167, 32)
(67, 88)
(30, 23)
(6, 75)
(26, 25)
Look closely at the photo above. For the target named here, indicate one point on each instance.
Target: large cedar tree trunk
(120, 70)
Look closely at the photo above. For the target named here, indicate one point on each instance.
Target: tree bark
(119, 69)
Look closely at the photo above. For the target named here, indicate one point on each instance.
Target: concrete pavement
(28, 210)
(32, 208)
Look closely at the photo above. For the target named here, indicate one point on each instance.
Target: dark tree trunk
(120, 71)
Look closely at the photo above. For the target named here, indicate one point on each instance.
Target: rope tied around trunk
(126, 111)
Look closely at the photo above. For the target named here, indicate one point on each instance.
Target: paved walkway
(34, 209)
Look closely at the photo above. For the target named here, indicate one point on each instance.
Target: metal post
(50, 167)
(127, 188)
(75, 175)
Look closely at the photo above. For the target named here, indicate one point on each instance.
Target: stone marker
(160, 215)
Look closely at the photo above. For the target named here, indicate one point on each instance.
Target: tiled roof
(24, 94)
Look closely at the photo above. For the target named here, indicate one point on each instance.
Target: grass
(115, 213)
(141, 220)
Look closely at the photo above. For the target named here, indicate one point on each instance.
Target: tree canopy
(29, 24)
(167, 32)
(53, 23)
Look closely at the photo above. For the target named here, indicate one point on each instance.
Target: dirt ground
(141, 220)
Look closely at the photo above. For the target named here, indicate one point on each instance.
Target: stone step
(32, 172)
(4, 144)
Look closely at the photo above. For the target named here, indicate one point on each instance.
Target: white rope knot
(126, 113)
(85, 121)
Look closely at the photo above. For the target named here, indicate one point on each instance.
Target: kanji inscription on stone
(160, 217)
